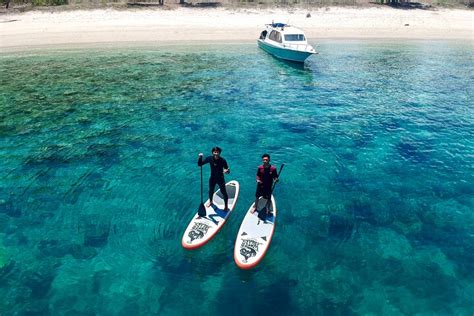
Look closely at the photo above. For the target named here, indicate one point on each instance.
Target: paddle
(202, 208)
(262, 214)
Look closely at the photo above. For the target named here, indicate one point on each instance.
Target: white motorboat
(285, 42)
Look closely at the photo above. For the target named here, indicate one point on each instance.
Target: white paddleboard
(201, 229)
(254, 236)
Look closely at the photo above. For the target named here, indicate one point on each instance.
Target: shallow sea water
(98, 179)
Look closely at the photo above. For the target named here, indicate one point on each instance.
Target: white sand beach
(37, 28)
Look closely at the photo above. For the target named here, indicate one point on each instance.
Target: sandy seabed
(38, 28)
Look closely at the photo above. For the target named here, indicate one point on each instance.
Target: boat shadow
(306, 66)
(292, 64)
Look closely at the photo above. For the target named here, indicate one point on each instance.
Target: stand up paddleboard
(255, 235)
(201, 229)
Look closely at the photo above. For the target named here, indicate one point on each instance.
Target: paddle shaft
(201, 185)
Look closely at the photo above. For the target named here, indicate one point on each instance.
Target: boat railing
(302, 47)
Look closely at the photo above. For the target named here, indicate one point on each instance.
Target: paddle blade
(202, 210)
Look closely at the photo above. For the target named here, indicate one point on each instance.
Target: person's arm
(259, 178)
(226, 167)
(201, 161)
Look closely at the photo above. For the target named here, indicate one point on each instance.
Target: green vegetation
(48, 2)
(234, 3)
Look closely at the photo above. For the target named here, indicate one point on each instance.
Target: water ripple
(99, 178)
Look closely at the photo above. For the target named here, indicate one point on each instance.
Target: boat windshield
(294, 37)
(275, 36)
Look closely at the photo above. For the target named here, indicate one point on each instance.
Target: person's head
(216, 152)
(266, 159)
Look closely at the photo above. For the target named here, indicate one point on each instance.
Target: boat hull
(284, 53)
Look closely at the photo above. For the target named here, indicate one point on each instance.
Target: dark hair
(216, 149)
(266, 155)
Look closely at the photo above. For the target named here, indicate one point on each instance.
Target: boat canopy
(278, 24)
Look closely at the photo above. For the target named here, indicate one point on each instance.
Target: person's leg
(224, 194)
(267, 194)
(258, 194)
(212, 185)
(255, 206)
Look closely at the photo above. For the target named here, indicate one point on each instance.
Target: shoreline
(20, 31)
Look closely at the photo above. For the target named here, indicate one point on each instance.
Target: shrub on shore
(236, 3)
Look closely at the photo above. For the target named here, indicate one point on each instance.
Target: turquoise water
(99, 180)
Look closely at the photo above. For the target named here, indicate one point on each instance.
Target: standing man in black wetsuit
(266, 175)
(218, 168)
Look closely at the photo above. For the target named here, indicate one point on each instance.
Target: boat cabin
(281, 33)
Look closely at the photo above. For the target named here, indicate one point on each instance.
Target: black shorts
(264, 191)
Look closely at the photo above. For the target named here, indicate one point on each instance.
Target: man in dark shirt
(218, 168)
(266, 175)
